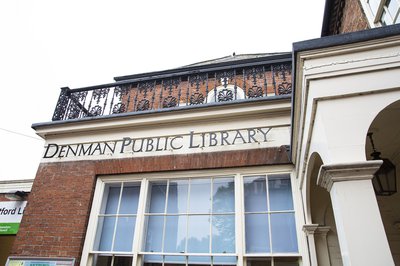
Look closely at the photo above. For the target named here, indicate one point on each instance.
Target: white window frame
(374, 20)
(145, 179)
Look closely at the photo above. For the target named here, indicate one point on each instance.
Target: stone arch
(319, 212)
(386, 136)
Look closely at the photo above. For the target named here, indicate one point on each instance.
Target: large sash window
(193, 220)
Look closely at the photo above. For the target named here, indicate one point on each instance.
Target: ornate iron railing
(176, 90)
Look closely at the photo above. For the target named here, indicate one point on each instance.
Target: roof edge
(195, 68)
(347, 38)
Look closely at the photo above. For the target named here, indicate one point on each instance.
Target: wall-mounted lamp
(384, 180)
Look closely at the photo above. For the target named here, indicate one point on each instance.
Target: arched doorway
(386, 137)
(320, 209)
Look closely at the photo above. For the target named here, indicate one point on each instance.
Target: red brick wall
(55, 219)
(353, 18)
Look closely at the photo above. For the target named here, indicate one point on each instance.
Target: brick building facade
(240, 160)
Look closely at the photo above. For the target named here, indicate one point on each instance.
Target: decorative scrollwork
(100, 93)
(143, 105)
(146, 86)
(285, 88)
(74, 111)
(197, 80)
(254, 73)
(282, 70)
(169, 85)
(196, 98)
(225, 95)
(62, 104)
(169, 102)
(255, 92)
(96, 110)
(80, 96)
(119, 108)
(225, 77)
(119, 91)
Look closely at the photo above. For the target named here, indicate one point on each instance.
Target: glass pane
(254, 262)
(199, 260)
(280, 193)
(200, 196)
(198, 234)
(257, 234)
(130, 199)
(393, 7)
(112, 200)
(102, 260)
(374, 4)
(286, 261)
(283, 232)
(178, 196)
(223, 234)
(154, 233)
(385, 19)
(223, 195)
(148, 259)
(255, 194)
(124, 234)
(224, 260)
(123, 261)
(107, 232)
(174, 260)
(175, 234)
(158, 194)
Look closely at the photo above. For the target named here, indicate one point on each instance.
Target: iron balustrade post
(62, 104)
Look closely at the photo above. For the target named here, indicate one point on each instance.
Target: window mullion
(165, 218)
(211, 216)
(117, 216)
(239, 219)
(139, 228)
(268, 214)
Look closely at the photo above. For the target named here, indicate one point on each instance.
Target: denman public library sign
(192, 142)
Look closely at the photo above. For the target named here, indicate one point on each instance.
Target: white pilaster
(359, 225)
(321, 243)
(309, 229)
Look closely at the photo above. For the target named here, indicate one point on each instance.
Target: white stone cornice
(328, 174)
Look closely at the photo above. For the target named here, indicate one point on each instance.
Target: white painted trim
(10, 186)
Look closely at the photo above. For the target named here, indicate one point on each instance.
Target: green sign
(9, 228)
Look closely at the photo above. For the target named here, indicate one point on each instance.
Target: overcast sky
(46, 45)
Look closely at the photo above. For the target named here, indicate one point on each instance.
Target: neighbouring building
(267, 159)
(13, 199)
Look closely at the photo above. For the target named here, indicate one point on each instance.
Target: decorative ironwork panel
(225, 95)
(173, 91)
(198, 81)
(169, 85)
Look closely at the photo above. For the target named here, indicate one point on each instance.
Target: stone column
(321, 244)
(361, 234)
(309, 229)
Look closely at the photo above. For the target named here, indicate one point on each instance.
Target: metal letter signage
(191, 142)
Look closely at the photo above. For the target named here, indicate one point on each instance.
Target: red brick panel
(353, 18)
